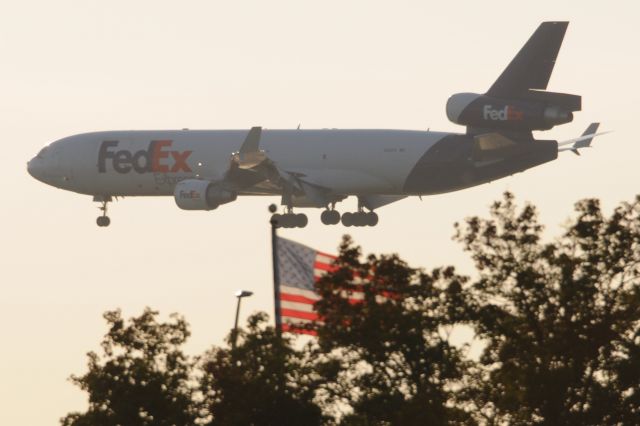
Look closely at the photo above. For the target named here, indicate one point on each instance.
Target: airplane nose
(35, 168)
(31, 168)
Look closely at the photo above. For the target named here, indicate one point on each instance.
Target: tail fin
(518, 103)
(531, 68)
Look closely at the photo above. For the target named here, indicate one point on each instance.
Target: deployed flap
(531, 68)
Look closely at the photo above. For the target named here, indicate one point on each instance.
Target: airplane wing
(251, 166)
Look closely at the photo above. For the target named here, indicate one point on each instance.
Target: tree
(264, 381)
(561, 320)
(142, 376)
(383, 344)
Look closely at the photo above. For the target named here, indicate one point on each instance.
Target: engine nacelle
(196, 194)
(471, 109)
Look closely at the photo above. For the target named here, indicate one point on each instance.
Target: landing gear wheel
(289, 220)
(361, 219)
(330, 217)
(103, 221)
(373, 219)
(301, 220)
(347, 219)
(276, 220)
(335, 217)
(324, 217)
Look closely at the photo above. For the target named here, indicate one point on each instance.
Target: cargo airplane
(203, 169)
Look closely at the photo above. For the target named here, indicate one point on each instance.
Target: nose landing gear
(103, 221)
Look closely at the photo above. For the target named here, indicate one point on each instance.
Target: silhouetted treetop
(142, 377)
(561, 319)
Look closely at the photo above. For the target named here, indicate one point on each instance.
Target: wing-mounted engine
(195, 194)
(517, 102)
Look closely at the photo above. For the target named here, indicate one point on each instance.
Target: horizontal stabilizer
(584, 141)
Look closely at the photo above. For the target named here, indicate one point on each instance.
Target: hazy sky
(84, 65)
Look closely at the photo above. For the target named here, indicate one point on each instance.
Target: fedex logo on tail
(507, 113)
(158, 158)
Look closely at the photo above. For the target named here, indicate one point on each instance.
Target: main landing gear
(103, 220)
(330, 217)
(360, 218)
(289, 220)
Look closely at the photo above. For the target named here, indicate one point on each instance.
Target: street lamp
(239, 294)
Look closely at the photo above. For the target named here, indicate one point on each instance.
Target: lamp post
(239, 294)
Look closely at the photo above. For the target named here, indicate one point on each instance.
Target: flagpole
(276, 273)
(276, 300)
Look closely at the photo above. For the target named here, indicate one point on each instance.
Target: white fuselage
(348, 162)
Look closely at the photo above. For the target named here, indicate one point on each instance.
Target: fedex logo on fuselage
(158, 158)
(507, 113)
(189, 195)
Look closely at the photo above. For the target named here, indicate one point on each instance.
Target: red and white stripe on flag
(299, 267)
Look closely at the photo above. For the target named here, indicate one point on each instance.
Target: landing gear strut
(103, 220)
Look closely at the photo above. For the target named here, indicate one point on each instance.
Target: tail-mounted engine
(535, 111)
(517, 102)
(195, 194)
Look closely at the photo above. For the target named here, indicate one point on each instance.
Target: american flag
(299, 267)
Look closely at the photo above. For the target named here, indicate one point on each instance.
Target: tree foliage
(263, 381)
(142, 376)
(385, 331)
(561, 319)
